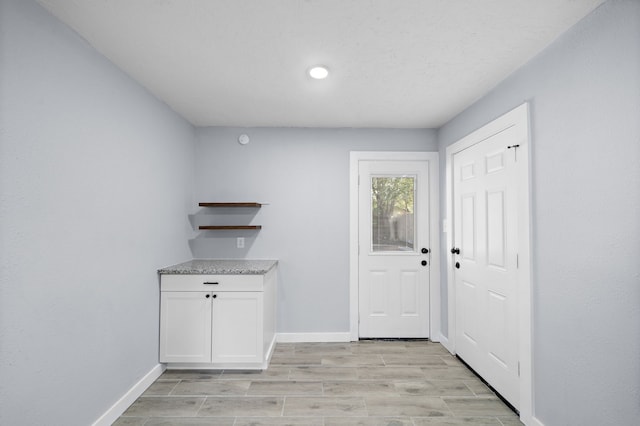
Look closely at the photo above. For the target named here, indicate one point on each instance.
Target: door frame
(434, 214)
(518, 118)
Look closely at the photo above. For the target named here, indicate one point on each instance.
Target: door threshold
(396, 339)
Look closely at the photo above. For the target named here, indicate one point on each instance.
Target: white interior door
(486, 261)
(394, 251)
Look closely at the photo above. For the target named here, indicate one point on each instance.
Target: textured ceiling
(393, 63)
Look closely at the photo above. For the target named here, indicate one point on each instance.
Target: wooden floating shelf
(230, 227)
(214, 228)
(258, 205)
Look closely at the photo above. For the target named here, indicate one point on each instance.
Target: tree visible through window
(392, 218)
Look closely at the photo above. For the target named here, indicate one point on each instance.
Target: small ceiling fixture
(243, 139)
(319, 72)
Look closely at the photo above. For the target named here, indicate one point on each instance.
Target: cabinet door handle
(215, 295)
(208, 296)
(210, 283)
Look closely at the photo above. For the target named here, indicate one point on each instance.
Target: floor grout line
(201, 405)
(284, 402)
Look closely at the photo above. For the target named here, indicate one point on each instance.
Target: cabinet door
(185, 326)
(237, 327)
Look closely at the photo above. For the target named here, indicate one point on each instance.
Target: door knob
(423, 263)
(425, 250)
(457, 265)
(455, 250)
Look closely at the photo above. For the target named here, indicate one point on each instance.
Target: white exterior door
(394, 250)
(485, 257)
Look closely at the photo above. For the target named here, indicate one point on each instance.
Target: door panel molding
(518, 119)
(434, 213)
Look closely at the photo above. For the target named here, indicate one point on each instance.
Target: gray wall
(304, 174)
(96, 182)
(95, 186)
(585, 114)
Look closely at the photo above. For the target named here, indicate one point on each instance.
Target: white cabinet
(217, 321)
(236, 327)
(185, 326)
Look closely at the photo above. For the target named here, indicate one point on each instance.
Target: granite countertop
(221, 267)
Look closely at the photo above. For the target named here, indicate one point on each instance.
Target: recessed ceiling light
(319, 72)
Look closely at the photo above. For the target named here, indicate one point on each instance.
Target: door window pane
(392, 218)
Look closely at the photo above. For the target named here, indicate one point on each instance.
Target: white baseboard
(535, 422)
(112, 414)
(313, 337)
(334, 337)
(444, 341)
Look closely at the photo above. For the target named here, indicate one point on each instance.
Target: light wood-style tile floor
(366, 383)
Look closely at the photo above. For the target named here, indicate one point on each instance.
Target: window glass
(392, 218)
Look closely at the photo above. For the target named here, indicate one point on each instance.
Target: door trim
(434, 213)
(517, 117)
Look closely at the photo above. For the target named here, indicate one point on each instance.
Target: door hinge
(515, 152)
(517, 261)
(518, 368)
